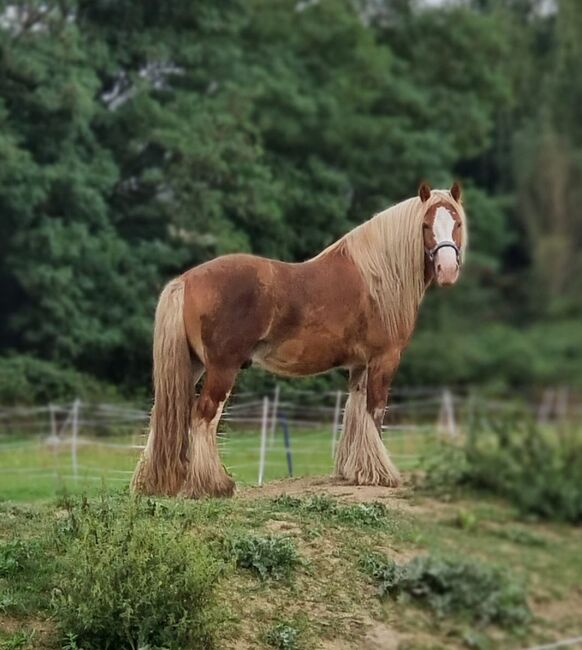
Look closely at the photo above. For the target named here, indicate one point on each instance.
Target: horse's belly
(298, 357)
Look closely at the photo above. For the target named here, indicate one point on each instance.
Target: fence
(262, 437)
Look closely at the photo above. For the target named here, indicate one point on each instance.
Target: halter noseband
(431, 252)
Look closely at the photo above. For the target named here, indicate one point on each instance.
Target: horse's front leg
(361, 457)
(380, 374)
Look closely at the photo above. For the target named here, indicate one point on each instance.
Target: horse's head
(443, 233)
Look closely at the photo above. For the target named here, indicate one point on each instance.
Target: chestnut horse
(352, 306)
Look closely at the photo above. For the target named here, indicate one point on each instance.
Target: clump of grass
(16, 555)
(537, 469)
(18, 640)
(449, 586)
(358, 514)
(269, 556)
(283, 637)
(24, 575)
(520, 536)
(129, 581)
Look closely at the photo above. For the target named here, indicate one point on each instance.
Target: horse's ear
(424, 192)
(456, 192)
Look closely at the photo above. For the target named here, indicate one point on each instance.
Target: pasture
(474, 551)
(35, 469)
(478, 549)
(290, 565)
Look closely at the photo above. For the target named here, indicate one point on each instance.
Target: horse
(353, 306)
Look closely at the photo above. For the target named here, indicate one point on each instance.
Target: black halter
(431, 252)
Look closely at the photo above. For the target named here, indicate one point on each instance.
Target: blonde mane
(389, 252)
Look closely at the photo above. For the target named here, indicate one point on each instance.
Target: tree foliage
(139, 138)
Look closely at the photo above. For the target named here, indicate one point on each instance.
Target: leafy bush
(538, 469)
(268, 556)
(28, 380)
(128, 581)
(283, 637)
(449, 586)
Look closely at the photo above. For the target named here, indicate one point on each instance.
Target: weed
(283, 637)
(16, 555)
(18, 641)
(358, 514)
(449, 586)
(129, 581)
(269, 556)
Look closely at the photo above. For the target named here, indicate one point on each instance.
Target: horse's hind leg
(205, 474)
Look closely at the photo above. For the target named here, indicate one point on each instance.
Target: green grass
(314, 542)
(32, 470)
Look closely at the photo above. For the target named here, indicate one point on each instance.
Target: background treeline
(138, 138)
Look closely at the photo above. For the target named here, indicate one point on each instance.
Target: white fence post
(53, 421)
(264, 426)
(74, 436)
(447, 423)
(336, 419)
(274, 414)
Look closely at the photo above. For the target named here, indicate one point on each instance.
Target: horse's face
(442, 231)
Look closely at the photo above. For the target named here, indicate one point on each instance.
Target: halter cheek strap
(443, 244)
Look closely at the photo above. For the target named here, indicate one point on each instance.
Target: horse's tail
(162, 467)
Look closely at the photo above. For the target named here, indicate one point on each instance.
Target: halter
(431, 252)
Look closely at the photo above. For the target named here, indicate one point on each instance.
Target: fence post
(447, 421)
(264, 426)
(562, 404)
(74, 436)
(53, 422)
(545, 408)
(336, 419)
(287, 440)
(274, 414)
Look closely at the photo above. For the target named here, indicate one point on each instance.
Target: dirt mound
(333, 487)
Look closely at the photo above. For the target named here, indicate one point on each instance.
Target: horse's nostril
(439, 268)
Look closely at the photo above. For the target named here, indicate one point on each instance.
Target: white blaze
(443, 231)
(443, 225)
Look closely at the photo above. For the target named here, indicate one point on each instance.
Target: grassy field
(292, 569)
(31, 469)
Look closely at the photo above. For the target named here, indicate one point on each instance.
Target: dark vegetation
(140, 138)
(537, 468)
(449, 585)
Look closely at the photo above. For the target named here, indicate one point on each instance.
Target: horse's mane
(388, 250)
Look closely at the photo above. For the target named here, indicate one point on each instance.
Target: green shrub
(28, 380)
(128, 580)
(268, 556)
(449, 586)
(536, 468)
(283, 637)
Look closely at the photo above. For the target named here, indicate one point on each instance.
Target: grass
(32, 470)
(313, 542)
